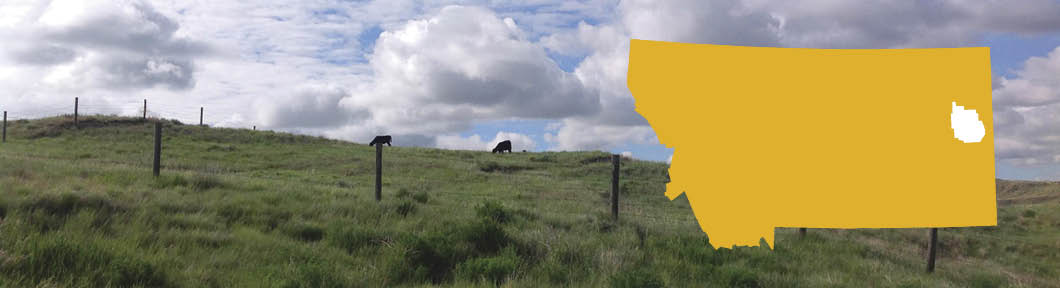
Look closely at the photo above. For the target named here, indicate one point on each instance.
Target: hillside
(234, 207)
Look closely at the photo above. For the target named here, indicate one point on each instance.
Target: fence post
(75, 114)
(616, 159)
(5, 127)
(158, 148)
(255, 127)
(931, 250)
(145, 109)
(802, 232)
(378, 172)
(200, 116)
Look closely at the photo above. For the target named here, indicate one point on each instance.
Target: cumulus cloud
(606, 47)
(311, 107)
(440, 74)
(903, 24)
(582, 135)
(476, 142)
(317, 67)
(1027, 113)
(819, 24)
(726, 22)
(1035, 84)
(96, 45)
(467, 57)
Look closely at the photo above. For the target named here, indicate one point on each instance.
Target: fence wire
(86, 107)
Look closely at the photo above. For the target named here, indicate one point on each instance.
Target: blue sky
(1009, 51)
(549, 75)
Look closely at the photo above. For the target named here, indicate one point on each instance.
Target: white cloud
(1035, 84)
(467, 57)
(97, 48)
(301, 66)
(439, 75)
(903, 24)
(966, 124)
(581, 135)
(312, 106)
(725, 22)
(1027, 113)
(819, 24)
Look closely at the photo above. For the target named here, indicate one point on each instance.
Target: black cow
(505, 145)
(380, 140)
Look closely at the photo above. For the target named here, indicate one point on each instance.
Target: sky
(548, 75)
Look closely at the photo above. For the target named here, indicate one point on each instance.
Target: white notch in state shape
(966, 125)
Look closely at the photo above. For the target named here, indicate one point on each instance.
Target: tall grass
(239, 208)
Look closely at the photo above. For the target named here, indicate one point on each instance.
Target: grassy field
(240, 208)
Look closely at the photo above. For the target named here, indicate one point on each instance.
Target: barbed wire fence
(190, 115)
(197, 115)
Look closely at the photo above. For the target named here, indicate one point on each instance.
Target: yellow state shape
(818, 138)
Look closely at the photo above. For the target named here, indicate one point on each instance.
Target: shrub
(167, 181)
(597, 159)
(224, 148)
(235, 213)
(1029, 214)
(734, 276)
(695, 249)
(315, 275)
(568, 263)
(544, 158)
(421, 197)
(303, 231)
(493, 269)
(494, 211)
(86, 263)
(984, 280)
(202, 182)
(486, 237)
(422, 259)
(50, 211)
(491, 166)
(198, 182)
(402, 193)
(637, 278)
(353, 238)
(405, 208)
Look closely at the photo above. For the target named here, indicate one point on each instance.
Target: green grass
(233, 207)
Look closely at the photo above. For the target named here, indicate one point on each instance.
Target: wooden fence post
(145, 109)
(616, 159)
(931, 250)
(200, 116)
(75, 114)
(158, 148)
(378, 172)
(5, 127)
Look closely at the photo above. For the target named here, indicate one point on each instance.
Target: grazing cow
(380, 140)
(505, 145)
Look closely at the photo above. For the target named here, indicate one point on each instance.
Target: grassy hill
(233, 207)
